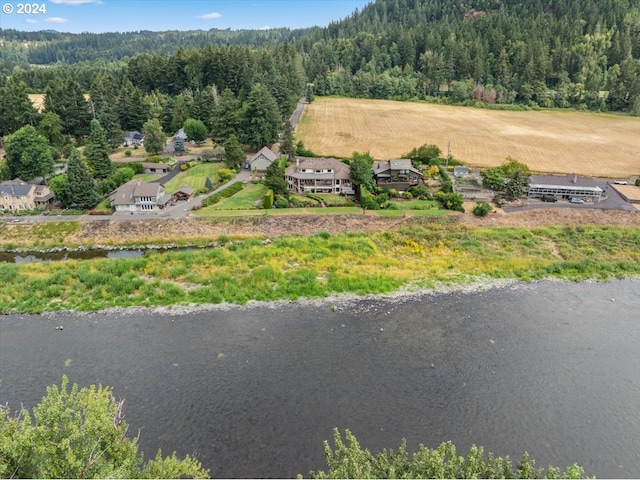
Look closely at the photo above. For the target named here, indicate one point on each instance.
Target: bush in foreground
(348, 460)
(80, 433)
(482, 209)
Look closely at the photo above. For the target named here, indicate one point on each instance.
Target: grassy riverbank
(291, 267)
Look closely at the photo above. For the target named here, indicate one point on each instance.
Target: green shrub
(183, 167)
(268, 199)
(281, 202)
(451, 201)
(481, 209)
(227, 192)
(637, 182)
(127, 152)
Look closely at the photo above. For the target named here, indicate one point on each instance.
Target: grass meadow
(195, 176)
(317, 266)
(551, 141)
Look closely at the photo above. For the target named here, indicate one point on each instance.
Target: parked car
(577, 201)
(620, 182)
(549, 198)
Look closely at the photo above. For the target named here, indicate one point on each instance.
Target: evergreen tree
(274, 179)
(178, 145)
(97, 151)
(286, 145)
(361, 172)
(16, 109)
(51, 128)
(234, 156)
(154, 137)
(65, 97)
(262, 118)
(81, 189)
(224, 120)
(27, 154)
(208, 184)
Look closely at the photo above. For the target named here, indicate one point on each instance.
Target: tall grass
(292, 267)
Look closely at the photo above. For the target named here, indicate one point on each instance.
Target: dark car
(549, 198)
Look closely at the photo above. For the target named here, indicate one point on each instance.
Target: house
(563, 186)
(16, 195)
(460, 171)
(399, 174)
(150, 167)
(261, 160)
(319, 175)
(137, 196)
(133, 138)
(183, 193)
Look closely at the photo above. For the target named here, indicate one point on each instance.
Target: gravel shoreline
(335, 302)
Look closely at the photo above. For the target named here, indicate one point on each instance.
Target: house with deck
(319, 175)
(398, 173)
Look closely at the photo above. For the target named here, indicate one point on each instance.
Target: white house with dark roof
(137, 196)
(133, 138)
(261, 160)
(563, 186)
(319, 175)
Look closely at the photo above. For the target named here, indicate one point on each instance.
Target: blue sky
(99, 16)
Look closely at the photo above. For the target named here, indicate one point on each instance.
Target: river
(550, 368)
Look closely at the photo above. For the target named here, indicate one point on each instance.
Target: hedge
(227, 192)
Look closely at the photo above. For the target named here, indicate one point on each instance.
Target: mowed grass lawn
(552, 141)
(243, 200)
(195, 176)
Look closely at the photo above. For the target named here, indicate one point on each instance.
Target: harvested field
(38, 100)
(552, 141)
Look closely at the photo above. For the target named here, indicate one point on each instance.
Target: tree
(16, 109)
(80, 433)
(361, 172)
(196, 130)
(482, 209)
(425, 154)
(262, 118)
(97, 151)
(178, 145)
(208, 184)
(51, 128)
(27, 154)
(225, 117)
(81, 189)
(58, 186)
(286, 144)
(234, 156)
(225, 174)
(349, 460)
(274, 179)
(154, 137)
(515, 185)
(64, 96)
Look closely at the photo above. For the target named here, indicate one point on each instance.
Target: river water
(550, 368)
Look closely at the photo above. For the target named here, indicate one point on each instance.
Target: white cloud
(56, 20)
(75, 2)
(265, 28)
(30, 20)
(209, 16)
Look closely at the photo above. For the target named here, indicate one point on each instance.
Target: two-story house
(319, 175)
(16, 195)
(137, 196)
(399, 174)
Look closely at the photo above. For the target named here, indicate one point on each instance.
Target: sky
(98, 16)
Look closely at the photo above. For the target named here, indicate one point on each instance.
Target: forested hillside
(552, 53)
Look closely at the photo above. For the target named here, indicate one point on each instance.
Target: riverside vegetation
(291, 267)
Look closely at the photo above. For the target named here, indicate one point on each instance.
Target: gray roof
(569, 182)
(134, 135)
(125, 194)
(147, 189)
(155, 165)
(16, 190)
(340, 170)
(383, 168)
(185, 189)
(266, 152)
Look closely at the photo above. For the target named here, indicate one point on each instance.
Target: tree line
(554, 53)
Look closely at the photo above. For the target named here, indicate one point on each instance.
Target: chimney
(575, 178)
(297, 162)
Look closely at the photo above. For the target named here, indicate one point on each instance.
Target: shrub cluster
(268, 199)
(482, 209)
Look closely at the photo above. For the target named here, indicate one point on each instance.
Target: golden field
(551, 141)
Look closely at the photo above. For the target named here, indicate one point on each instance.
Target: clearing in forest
(551, 141)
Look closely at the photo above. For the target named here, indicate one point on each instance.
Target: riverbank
(247, 268)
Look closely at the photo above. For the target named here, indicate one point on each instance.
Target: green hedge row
(227, 192)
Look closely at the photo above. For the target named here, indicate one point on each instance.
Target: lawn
(195, 176)
(332, 200)
(416, 204)
(148, 177)
(551, 141)
(243, 200)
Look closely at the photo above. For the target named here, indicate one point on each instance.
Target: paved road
(295, 118)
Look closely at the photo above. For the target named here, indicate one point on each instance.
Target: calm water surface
(548, 368)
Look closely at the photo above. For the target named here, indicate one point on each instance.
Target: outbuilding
(564, 186)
